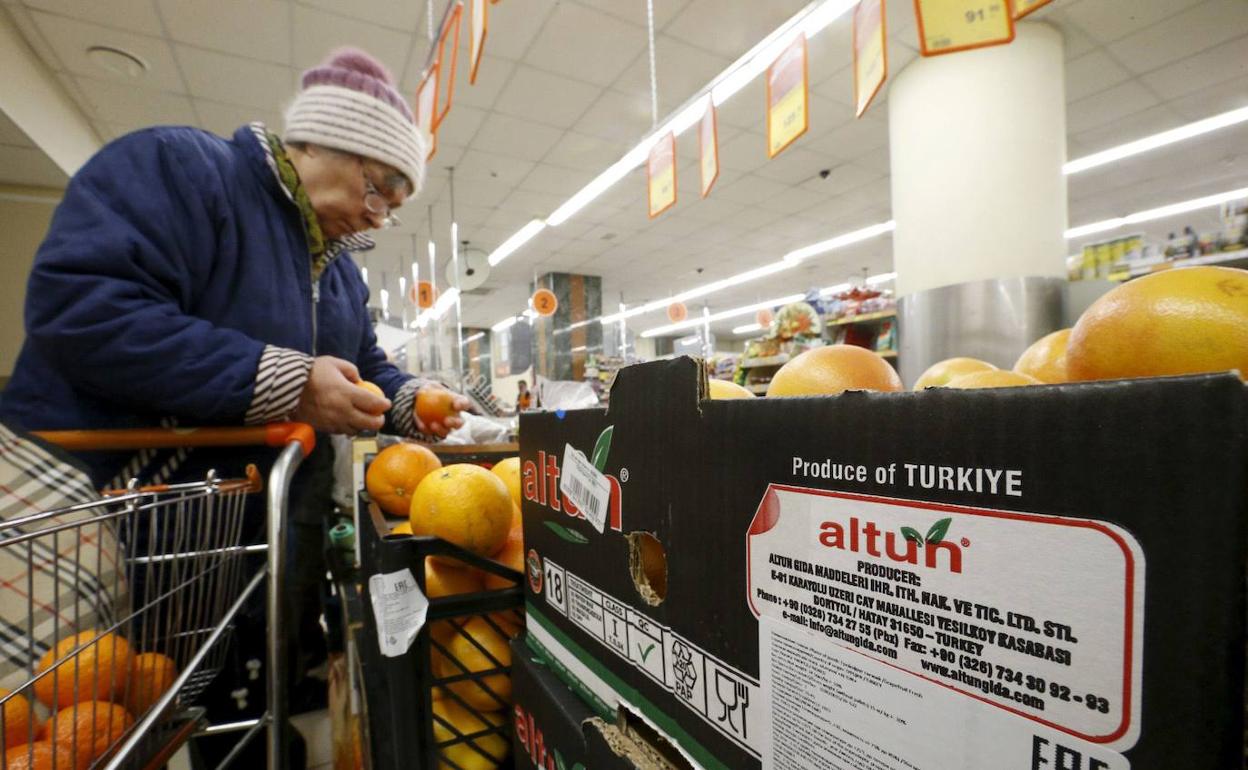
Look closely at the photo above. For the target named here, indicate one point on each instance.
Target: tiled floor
(316, 731)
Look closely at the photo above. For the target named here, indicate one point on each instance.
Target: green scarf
(311, 226)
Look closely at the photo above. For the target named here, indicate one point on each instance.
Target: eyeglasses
(376, 203)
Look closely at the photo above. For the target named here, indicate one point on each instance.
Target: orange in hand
(373, 388)
(434, 405)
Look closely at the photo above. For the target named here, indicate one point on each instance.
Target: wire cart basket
(156, 577)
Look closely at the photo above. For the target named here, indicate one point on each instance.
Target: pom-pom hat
(349, 103)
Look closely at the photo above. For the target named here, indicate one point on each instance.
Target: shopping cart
(159, 569)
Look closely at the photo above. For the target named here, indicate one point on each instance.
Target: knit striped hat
(349, 103)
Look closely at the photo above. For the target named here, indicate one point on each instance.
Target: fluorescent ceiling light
(474, 337)
(518, 239)
(504, 324)
(385, 298)
(1155, 141)
(840, 241)
(364, 274)
(747, 328)
(578, 348)
(881, 278)
(688, 340)
(713, 317)
(1161, 212)
(837, 289)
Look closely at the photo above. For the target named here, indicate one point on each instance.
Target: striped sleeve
(403, 412)
(280, 378)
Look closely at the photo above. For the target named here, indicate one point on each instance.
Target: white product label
(915, 624)
(399, 607)
(586, 486)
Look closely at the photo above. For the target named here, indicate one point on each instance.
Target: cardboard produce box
(1034, 578)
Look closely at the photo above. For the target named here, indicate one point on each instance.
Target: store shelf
(758, 388)
(755, 363)
(1156, 266)
(857, 319)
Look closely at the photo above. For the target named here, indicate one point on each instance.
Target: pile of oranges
(93, 695)
(478, 510)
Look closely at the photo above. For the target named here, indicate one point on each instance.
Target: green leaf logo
(571, 535)
(602, 447)
(938, 530)
(910, 533)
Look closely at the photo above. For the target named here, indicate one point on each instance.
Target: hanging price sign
(448, 37)
(708, 147)
(480, 25)
(1024, 7)
(426, 106)
(661, 175)
(545, 302)
(426, 295)
(677, 312)
(787, 102)
(946, 26)
(870, 53)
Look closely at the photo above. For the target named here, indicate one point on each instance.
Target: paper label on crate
(1038, 618)
(832, 708)
(399, 607)
(586, 486)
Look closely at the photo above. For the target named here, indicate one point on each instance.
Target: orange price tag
(946, 26)
(545, 302)
(708, 147)
(1024, 7)
(870, 53)
(426, 295)
(661, 175)
(788, 114)
(677, 312)
(480, 26)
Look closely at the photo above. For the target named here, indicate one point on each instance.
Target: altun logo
(541, 485)
(865, 537)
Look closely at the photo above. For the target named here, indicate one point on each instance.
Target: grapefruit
(99, 670)
(939, 374)
(723, 389)
(478, 647)
(509, 471)
(511, 555)
(394, 474)
(1182, 321)
(151, 676)
(1046, 358)
(834, 369)
(465, 505)
(451, 722)
(992, 379)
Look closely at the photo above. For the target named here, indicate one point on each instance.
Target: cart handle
(274, 434)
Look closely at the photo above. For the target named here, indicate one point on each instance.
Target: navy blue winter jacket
(172, 261)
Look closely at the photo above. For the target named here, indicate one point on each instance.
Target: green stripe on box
(661, 719)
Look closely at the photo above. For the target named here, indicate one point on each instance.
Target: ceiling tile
(585, 153)
(746, 151)
(843, 178)
(70, 39)
(29, 166)
(617, 117)
(133, 15)
(591, 45)
(1200, 27)
(751, 190)
(461, 124)
(729, 27)
(532, 204)
(1108, 106)
(852, 139)
(1109, 20)
(745, 110)
(554, 180)
(682, 70)
(1131, 127)
(1075, 40)
(545, 98)
(234, 80)
(635, 13)
(224, 119)
(515, 25)
(132, 109)
(401, 15)
(795, 165)
(316, 33)
(11, 135)
(1092, 73)
(515, 138)
(1226, 62)
(1230, 95)
(490, 167)
(258, 29)
(492, 77)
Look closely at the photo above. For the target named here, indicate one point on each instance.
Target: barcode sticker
(399, 608)
(586, 487)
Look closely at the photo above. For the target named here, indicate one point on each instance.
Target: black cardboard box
(1045, 577)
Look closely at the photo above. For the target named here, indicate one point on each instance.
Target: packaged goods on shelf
(766, 597)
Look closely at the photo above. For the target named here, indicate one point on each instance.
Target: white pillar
(977, 143)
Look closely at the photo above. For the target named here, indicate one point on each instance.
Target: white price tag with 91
(586, 486)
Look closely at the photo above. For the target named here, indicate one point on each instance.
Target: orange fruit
(511, 555)
(98, 671)
(402, 528)
(151, 675)
(474, 659)
(834, 369)
(394, 474)
(1046, 358)
(373, 388)
(940, 373)
(723, 389)
(435, 405)
(1182, 321)
(17, 717)
(993, 379)
(38, 756)
(452, 722)
(465, 505)
(87, 730)
(442, 579)
(509, 471)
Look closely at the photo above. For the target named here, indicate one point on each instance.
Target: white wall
(23, 223)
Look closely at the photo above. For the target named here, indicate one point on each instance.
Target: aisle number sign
(425, 295)
(661, 175)
(545, 302)
(870, 53)
(946, 26)
(480, 25)
(677, 312)
(787, 101)
(708, 147)
(1024, 7)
